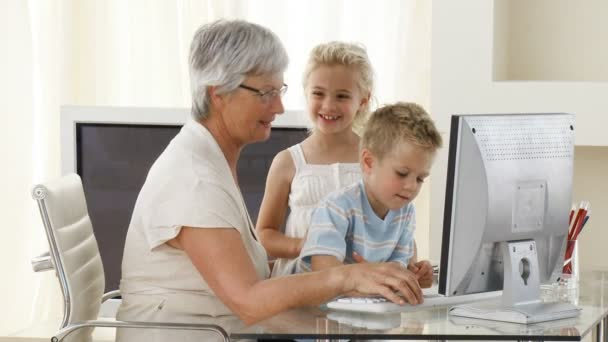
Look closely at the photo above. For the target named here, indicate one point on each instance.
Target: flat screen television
(112, 150)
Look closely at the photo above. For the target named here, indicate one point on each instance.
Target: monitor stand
(520, 302)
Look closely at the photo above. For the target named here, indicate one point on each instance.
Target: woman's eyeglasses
(268, 95)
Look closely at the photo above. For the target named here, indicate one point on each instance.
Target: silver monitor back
(509, 178)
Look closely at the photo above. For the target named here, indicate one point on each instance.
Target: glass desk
(437, 324)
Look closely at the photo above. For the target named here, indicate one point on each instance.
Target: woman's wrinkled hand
(390, 280)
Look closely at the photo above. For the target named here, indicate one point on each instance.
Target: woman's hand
(423, 271)
(390, 280)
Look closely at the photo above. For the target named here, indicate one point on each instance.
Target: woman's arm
(323, 262)
(221, 258)
(273, 209)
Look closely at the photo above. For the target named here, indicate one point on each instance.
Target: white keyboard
(382, 305)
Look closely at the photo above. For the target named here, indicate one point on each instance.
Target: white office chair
(74, 254)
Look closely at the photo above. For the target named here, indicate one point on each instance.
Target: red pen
(573, 224)
(571, 214)
(581, 222)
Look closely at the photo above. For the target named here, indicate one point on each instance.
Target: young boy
(373, 220)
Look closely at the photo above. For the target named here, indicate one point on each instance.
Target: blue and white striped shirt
(345, 222)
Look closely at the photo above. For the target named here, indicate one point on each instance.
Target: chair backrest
(73, 249)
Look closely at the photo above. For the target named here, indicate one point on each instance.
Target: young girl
(338, 83)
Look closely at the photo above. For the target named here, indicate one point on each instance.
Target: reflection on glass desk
(366, 320)
(437, 324)
(558, 327)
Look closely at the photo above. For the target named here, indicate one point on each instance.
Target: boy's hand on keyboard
(423, 271)
(390, 280)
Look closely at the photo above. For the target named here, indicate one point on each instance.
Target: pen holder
(571, 271)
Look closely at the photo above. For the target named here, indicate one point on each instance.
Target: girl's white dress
(310, 184)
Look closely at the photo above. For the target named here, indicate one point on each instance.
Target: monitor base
(521, 313)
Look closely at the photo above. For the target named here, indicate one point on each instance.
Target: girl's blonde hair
(351, 55)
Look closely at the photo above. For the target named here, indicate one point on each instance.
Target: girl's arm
(273, 209)
(220, 256)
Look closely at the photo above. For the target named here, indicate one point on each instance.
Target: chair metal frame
(53, 260)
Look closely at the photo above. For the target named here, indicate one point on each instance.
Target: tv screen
(113, 161)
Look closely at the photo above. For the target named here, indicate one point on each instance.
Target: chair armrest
(61, 334)
(42, 263)
(110, 295)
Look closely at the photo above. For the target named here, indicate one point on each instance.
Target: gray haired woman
(191, 253)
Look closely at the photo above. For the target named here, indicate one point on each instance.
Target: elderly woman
(191, 253)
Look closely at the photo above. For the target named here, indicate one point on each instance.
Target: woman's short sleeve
(206, 205)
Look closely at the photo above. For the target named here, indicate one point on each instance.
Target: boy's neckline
(390, 214)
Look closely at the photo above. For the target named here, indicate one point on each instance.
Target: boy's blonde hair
(391, 124)
(351, 55)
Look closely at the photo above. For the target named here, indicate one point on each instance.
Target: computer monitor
(112, 150)
(508, 195)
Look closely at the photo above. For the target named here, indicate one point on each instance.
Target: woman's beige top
(190, 184)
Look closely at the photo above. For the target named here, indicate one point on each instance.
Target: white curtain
(134, 53)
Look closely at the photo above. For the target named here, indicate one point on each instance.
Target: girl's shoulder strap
(297, 154)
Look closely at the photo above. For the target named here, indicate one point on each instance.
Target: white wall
(468, 53)
(590, 184)
(17, 244)
(555, 39)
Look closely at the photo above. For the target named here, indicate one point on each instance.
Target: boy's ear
(367, 161)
